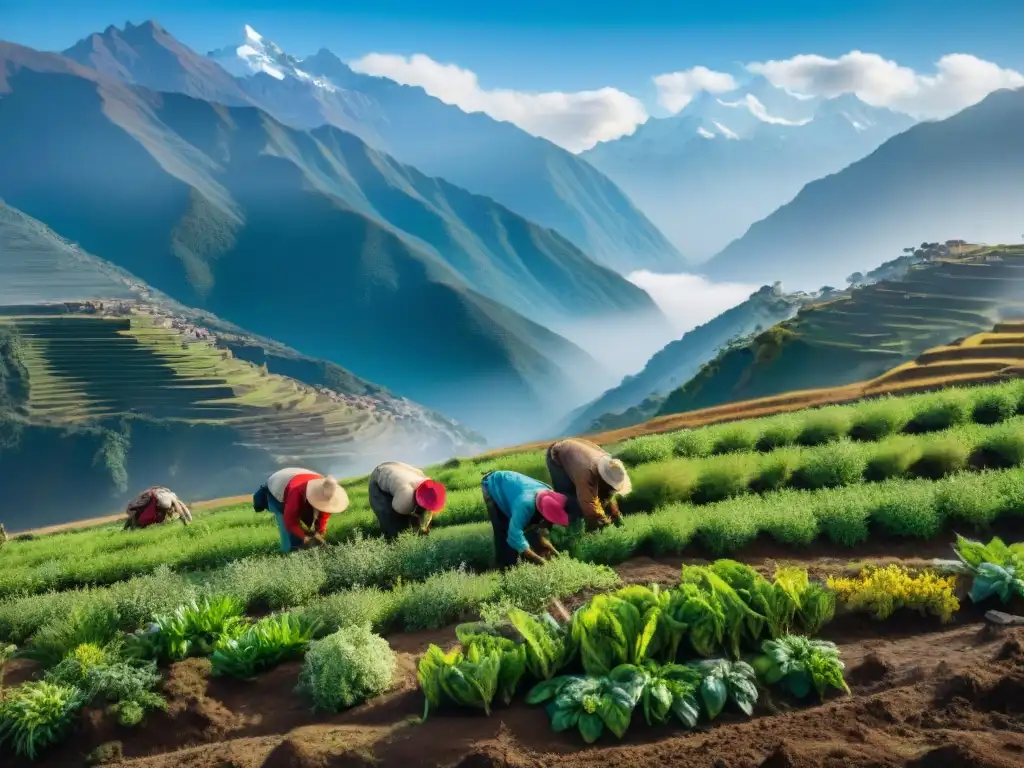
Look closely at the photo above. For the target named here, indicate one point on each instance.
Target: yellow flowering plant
(883, 591)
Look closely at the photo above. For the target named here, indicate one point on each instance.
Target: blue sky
(566, 45)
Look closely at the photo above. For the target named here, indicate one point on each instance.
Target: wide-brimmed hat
(551, 506)
(431, 495)
(325, 495)
(613, 472)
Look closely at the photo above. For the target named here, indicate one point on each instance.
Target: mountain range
(310, 238)
(531, 176)
(728, 160)
(959, 178)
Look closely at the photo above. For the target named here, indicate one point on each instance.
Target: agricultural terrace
(204, 639)
(876, 328)
(82, 368)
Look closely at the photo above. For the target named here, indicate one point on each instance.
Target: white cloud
(959, 80)
(677, 89)
(689, 300)
(576, 121)
(758, 110)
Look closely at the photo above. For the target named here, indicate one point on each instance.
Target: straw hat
(613, 472)
(551, 506)
(325, 495)
(431, 495)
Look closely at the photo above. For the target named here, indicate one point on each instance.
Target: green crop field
(896, 469)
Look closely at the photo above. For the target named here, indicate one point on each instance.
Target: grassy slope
(854, 339)
(203, 203)
(957, 178)
(680, 360)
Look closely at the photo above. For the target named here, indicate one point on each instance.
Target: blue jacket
(516, 496)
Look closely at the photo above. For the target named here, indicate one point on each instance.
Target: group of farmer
(585, 484)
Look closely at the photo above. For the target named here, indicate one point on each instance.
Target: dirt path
(924, 695)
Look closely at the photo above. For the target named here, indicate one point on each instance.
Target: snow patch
(705, 133)
(256, 55)
(725, 131)
(755, 107)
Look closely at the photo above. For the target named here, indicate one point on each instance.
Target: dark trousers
(562, 483)
(504, 555)
(391, 523)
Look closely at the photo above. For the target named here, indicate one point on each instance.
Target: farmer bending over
(154, 506)
(521, 507)
(586, 473)
(300, 497)
(402, 496)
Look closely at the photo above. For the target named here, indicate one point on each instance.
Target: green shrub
(736, 438)
(36, 715)
(692, 443)
(874, 421)
(91, 625)
(346, 668)
(831, 466)
(1001, 448)
(721, 481)
(994, 406)
(940, 458)
(775, 472)
(371, 605)
(645, 450)
(824, 426)
(264, 645)
(892, 460)
(940, 412)
(655, 485)
(779, 432)
(910, 513)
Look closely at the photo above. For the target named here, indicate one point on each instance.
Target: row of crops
(872, 444)
(718, 640)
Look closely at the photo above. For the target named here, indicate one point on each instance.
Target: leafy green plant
(991, 579)
(799, 665)
(36, 715)
(671, 689)
(264, 645)
(817, 607)
(346, 668)
(606, 630)
(723, 681)
(194, 629)
(6, 652)
(696, 614)
(592, 704)
(740, 620)
(550, 647)
(466, 679)
(511, 656)
(973, 553)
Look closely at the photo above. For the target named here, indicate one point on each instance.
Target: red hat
(551, 506)
(431, 495)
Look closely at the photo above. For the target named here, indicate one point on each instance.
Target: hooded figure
(402, 496)
(301, 497)
(154, 506)
(586, 473)
(522, 511)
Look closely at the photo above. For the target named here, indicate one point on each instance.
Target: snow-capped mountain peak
(258, 55)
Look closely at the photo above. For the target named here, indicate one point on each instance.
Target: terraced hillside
(874, 329)
(155, 404)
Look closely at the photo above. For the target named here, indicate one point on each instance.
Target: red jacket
(296, 506)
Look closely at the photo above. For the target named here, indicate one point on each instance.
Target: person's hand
(617, 521)
(533, 557)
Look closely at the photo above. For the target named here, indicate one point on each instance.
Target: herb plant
(346, 668)
(883, 591)
(194, 629)
(264, 645)
(36, 715)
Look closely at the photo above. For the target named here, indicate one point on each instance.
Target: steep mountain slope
(147, 55)
(724, 162)
(960, 177)
(529, 175)
(876, 327)
(311, 239)
(129, 388)
(676, 364)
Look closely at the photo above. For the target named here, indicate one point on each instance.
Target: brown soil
(924, 695)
